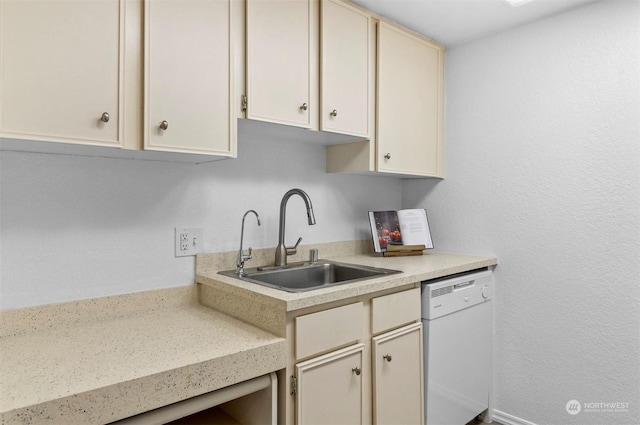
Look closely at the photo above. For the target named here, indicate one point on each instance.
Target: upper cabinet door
(278, 61)
(62, 70)
(409, 103)
(346, 49)
(189, 76)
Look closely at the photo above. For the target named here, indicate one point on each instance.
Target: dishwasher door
(457, 349)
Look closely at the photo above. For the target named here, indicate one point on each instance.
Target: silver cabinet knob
(387, 156)
(356, 370)
(387, 357)
(164, 125)
(334, 113)
(304, 107)
(105, 117)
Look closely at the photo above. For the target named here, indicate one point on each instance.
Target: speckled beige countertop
(101, 360)
(268, 307)
(105, 359)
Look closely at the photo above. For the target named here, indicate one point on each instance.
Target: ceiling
(455, 22)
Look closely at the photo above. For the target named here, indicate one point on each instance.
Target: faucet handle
(313, 255)
(291, 250)
(242, 257)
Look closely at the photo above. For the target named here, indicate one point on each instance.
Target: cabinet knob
(387, 357)
(105, 117)
(356, 370)
(304, 107)
(164, 125)
(334, 113)
(387, 156)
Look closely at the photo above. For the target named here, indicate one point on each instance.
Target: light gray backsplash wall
(77, 227)
(543, 171)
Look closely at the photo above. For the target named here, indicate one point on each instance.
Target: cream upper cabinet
(398, 386)
(330, 389)
(346, 64)
(279, 62)
(410, 94)
(62, 71)
(189, 76)
(409, 104)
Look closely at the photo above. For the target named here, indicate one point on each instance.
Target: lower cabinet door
(398, 386)
(329, 388)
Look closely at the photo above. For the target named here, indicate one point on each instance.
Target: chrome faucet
(283, 251)
(241, 256)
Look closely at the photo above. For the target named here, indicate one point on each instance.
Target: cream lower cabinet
(189, 76)
(329, 388)
(62, 71)
(398, 388)
(338, 374)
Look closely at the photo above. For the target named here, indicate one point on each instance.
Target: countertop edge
(432, 265)
(126, 399)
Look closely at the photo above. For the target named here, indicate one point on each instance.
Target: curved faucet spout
(283, 251)
(241, 256)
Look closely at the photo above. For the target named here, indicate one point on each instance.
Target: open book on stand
(399, 233)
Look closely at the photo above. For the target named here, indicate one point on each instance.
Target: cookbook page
(385, 229)
(414, 227)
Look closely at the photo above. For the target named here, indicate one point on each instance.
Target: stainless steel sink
(309, 276)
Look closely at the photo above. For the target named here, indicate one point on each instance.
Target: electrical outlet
(188, 241)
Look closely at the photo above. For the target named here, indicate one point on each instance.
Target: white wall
(77, 227)
(543, 171)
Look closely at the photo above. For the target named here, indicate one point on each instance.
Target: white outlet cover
(188, 241)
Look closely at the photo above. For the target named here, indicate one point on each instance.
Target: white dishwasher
(456, 319)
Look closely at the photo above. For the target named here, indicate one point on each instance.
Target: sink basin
(306, 276)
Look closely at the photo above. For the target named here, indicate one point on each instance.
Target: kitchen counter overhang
(102, 360)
